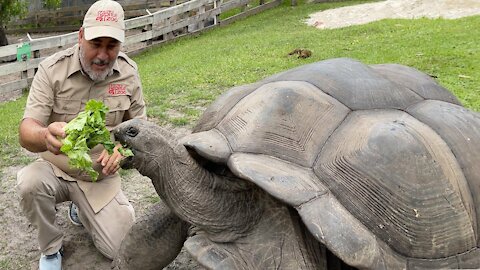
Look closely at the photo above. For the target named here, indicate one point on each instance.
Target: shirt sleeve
(40, 98)
(137, 107)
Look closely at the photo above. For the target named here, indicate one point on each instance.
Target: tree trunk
(3, 36)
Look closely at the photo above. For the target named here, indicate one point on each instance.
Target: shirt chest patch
(116, 89)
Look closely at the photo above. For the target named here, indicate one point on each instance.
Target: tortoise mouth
(127, 163)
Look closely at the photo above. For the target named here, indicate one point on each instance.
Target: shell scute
(401, 180)
(267, 121)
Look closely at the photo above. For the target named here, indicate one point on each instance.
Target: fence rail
(69, 18)
(141, 33)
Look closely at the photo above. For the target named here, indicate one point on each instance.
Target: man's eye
(112, 46)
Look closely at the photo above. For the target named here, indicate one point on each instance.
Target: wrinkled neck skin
(223, 210)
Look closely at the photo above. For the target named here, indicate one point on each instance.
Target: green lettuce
(85, 132)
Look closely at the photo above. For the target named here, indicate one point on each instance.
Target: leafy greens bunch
(86, 131)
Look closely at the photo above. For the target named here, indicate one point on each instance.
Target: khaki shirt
(60, 91)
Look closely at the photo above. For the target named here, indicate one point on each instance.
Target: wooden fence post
(216, 4)
(201, 24)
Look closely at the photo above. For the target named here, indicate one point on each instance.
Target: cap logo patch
(115, 89)
(106, 16)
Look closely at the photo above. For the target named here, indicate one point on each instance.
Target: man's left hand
(110, 163)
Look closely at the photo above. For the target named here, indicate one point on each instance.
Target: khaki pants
(40, 190)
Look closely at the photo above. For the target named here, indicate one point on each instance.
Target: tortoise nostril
(132, 132)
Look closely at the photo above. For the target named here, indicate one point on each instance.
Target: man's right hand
(53, 133)
(35, 137)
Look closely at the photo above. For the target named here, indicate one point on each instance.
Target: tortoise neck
(217, 204)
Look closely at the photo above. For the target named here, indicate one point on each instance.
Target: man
(93, 69)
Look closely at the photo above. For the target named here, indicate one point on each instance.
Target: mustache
(97, 61)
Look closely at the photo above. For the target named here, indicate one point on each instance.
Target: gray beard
(95, 76)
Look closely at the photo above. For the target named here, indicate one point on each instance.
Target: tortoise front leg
(154, 240)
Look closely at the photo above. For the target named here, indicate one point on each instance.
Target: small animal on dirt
(301, 53)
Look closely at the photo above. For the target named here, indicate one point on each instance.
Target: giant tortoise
(376, 165)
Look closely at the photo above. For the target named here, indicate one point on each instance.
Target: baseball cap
(104, 19)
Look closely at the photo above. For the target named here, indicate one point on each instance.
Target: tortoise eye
(132, 132)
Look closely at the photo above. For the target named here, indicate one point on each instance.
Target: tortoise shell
(379, 160)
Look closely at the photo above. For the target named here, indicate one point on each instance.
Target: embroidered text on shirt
(115, 89)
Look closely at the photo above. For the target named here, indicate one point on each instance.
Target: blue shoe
(73, 215)
(50, 262)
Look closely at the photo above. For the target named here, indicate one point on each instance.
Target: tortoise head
(147, 142)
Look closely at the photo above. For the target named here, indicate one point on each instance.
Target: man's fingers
(52, 143)
(113, 164)
(103, 158)
(57, 129)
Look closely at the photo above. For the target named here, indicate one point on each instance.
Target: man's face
(98, 55)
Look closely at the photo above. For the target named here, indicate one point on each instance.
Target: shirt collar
(77, 67)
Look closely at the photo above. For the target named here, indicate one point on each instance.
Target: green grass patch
(12, 113)
(251, 4)
(14, 263)
(181, 78)
(4, 264)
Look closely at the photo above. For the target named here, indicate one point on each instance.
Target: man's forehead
(107, 40)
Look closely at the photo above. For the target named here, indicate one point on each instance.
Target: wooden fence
(70, 18)
(142, 32)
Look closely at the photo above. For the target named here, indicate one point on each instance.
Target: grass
(183, 77)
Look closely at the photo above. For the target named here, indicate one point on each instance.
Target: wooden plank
(183, 23)
(48, 19)
(233, 4)
(9, 50)
(20, 66)
(138, 37)
(59, 28)
(16, 85)
(55, 41)
(163, 14)
(138, 22)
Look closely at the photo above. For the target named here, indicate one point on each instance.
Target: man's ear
(80, 35)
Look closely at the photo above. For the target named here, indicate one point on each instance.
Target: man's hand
(53, 133)
(110, 164)
(36, 137)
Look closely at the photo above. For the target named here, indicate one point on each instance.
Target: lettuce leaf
(85, 132)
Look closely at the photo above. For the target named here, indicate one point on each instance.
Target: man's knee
(31, 179)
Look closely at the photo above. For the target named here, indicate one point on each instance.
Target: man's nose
(102, 54)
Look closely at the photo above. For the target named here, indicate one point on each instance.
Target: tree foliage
(52, 3)
(12, 8)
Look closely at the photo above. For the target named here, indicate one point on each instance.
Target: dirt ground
(405, 9)
(18, 246)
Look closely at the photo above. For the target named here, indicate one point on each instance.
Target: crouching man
(93, 69)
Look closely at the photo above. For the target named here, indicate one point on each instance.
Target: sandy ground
(18, 246)
(406, 9)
